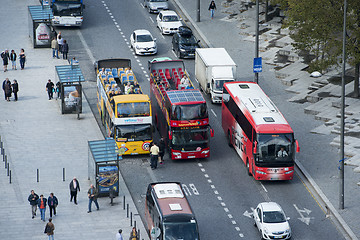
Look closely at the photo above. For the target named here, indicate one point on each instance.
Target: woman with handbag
(134, 234)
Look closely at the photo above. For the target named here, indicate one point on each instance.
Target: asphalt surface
(220, 191)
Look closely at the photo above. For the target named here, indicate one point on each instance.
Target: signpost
(257, 65)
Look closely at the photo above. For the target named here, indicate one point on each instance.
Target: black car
(184, 43)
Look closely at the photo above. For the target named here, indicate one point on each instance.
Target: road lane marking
(213, 112)
(151, 19)
(263, 187)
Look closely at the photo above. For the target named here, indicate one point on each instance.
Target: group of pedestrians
(157, 153)
(12, 57)
(134, 235)
(10, 88)
(41, 203)
(59, 45)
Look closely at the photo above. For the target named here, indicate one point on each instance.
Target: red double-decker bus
(258, 132)
(179, 112)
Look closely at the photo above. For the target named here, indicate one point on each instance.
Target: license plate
(191, 156)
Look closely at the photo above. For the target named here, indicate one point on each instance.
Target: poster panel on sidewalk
(108, 178)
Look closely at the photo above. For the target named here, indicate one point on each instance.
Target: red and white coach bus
(258, 131)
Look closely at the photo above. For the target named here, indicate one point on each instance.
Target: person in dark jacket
(7, 89)
(162, 150)
(15, 89)
(41, 202)
(52, 202)
(13, 59)
(50, 229)
(212, 8)
(93, 194)
(33, 197)
(5, 57)
(65, 50)
(50, 88)
(74, 187)
(22, 58)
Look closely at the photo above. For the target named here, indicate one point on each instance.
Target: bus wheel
(248, 167)
(229, 139)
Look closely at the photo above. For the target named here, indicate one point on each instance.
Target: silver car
(155, 6)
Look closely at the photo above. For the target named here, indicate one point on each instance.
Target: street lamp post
(342, 137)
(257, 38)
(198, 10)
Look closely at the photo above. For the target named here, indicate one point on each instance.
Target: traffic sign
(257, 65)
(155, 232)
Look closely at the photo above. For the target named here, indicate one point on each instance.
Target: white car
(168, 22)
(143, 42)
(271, 221)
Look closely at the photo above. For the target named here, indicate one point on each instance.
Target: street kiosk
(68, 80)
(41, 32)
(103, 166)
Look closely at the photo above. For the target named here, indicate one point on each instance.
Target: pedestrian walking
(52, 202)
(22, 58)
(74, 187)
(57, 90)
(212, 8)
(7, 89)
(41, 202)
(13, 59)
(33, 197)
(154, 151)
(5, 57)
(162, 148)
(55, 48)
(92, 194)
(15, 89)
(65, 50)
(60, 41)
(133, 234)
(49, 229)
(50, 88)
(118, 235)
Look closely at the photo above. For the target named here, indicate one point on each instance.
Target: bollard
(131, 219)
(37, 175)
(63, 174)
(10, 177)
(3, 153)
(135, 225)
(127, 210)
(139, 234)
(124, 203)
(5, 161)
(1, 147)
(8, 168)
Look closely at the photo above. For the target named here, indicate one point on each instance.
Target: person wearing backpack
(49, 229)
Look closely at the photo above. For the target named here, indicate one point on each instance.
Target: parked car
(168, 22)
(155, 6)
(184, 43)
(271, 221)
(143, 42)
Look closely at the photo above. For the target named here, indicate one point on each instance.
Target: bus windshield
(135, 109)
(183, 231)
(190, 139)
(67, 9)
(141, 132)
(189, 112)
(276, 149)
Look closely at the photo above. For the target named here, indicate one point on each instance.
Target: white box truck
(214, 67)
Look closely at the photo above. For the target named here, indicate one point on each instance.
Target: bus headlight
(177, 154)
(289, 172)
(260, 172)
(205, 151)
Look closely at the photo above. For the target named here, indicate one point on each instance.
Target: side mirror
(255, 147)
(154, 39)
(287, 218)
(212, 132)
(170, 135)
(297, 146)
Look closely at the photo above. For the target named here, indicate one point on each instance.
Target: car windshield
(189, 41)
(135, 109)
(218, 84)
(181, 231)
(275, 149)
(173, 18)
(189, 112)
(67, 9)
(144, 38)
(273, 217)
(141, 132)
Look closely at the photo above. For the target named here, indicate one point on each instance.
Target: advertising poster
(71, 98)
(108, 178)
(42, 34)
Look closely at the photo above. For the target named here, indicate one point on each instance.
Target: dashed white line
(237, 229)
(216, 192)
(116, 24)
(213, 112)
(205, 175)
(110, 13)
(209, 181)
(226, 209)
(263, 187)
(219, 198)
(137, 60)
(202, 169)
(241, 235)
(200, 165)
(151, 20)
(223, 204)
(108, 10)
(230, 216)
(212, 186)
(233, 222)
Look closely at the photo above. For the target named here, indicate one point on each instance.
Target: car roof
(270, 207)
(168, 13)
(142, 32)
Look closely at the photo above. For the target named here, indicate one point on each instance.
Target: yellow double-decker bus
(125, 114)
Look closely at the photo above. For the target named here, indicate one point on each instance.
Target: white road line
(241, 235)
(212, 186)
(223, 204)
(230, 216)
(140, 64)
(142, 68)
(216, 192)
(151, 20)
(237, 229)
(116, 24)
(213, 112)
(209, 181)
(148, 79)
(86, 47)
(233, 222)
(108, 10)
(200, 165)
(142, 5)
(202, 169)
(226, 209)
(205, 175)
(145, 74)
(110, 13)
(137, 60)
(174, 53)
(263, 187)
(121, 32)
(219, 198)
(162, 36)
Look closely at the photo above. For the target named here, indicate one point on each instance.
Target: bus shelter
(68, 81)
(103, 166)
(41, 32)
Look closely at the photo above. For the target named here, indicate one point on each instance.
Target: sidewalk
(233, 28)
(37, 136)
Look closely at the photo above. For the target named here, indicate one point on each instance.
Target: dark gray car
(184, 43)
